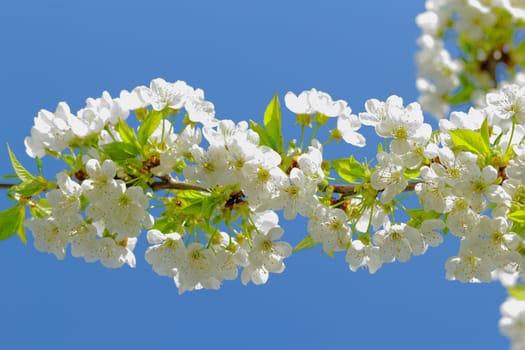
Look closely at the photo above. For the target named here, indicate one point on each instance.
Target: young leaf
(518, 216)
(518, 228)
(463, 95)
(120, 151)
(484, 131)
(193, 202)
(150, 123)
(471, 141)
(264, 139)
(418, 215)
(272, 122)
(306, 243)
(9, 176)
(22, 173)
(10, 222)
(141, 112)
(21, 231)
(517, 292)
(412, 174)
(349, 169)
(126, 132)
(29, 188)
(39, 165)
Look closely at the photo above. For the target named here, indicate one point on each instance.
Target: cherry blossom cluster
(512, 323)
(464, 191)
(113, 219)
(195, 267)
(52, 132)
(216, 186)
(484, 32)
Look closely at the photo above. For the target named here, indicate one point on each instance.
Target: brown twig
(168, 183)
(7, 186)
(348, 190)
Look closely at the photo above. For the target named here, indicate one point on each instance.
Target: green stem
(509, 146)
(314, 132)
(302, 138)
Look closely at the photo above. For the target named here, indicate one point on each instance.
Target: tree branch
(168, 183)
(348, 190)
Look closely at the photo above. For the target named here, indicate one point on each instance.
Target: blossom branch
(168, 183)
(348, 190)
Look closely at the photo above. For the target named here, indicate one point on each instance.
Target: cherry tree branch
(348, 190)
(168, 183)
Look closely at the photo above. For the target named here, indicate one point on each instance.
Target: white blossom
(512, 322)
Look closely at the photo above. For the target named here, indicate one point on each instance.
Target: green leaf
(140, 113)
(163, 224)
(418, 215)
(20, 171)
(264, 138)
(192, 201)
(463, 95)
(40, 210)
(10, 220)
(412, 174)
(21, 231)
(517, 292)
(39, 166)
(349, 169)
(9, 176)
(471, 141)
(70, 160)
(150, 122)
(307, 242)
(518, 216)
(126, 132)
(518, 228)
(485, 134)
(29, 188)
(120, 151)
(272, 123)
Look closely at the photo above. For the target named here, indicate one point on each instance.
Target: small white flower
(512, 322)
(348, 124)
(399, 241)
(330, 227)
(388, 176)
(298, 104)
(266, 256)
(197, 270)
(312, 101)
(49, 236)
(166, 251)
(199, 110)
(162, 94)
(296, 194)
(359, 255)
(51, 132)
(114, 254)
(507, 102)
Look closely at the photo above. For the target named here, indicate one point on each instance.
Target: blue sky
(240, 53)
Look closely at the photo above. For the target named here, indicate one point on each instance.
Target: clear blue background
(240, 52)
